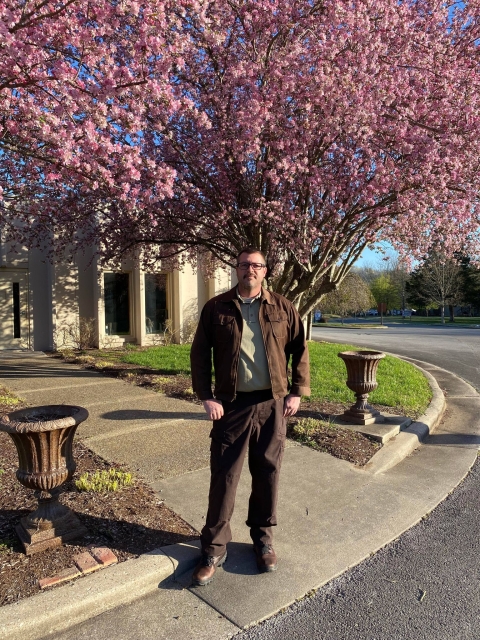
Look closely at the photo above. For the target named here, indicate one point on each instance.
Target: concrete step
(380, 431)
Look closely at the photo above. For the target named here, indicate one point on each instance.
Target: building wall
(14, 268)
(61, 298)
(66, 316)
(208, 287)
(41, 301)
(48, 297)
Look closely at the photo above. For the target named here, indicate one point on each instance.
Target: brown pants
(254, 421)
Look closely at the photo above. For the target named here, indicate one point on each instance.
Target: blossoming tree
(307, 128)
(73, 75)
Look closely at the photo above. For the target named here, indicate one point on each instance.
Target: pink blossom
(311, 129)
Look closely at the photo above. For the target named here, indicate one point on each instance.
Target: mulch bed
(333, 439)
(130, 521)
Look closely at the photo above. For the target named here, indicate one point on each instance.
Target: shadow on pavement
(146, 414)
(453, 439)
(29, 371)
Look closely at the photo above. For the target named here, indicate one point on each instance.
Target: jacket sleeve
(298, 350)
(201, 356)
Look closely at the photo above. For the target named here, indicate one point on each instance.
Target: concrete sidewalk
(331, 514)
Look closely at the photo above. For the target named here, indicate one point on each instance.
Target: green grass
(375, 321)
(400, 385)
(346, 325)
(432, 320)
(172, 359)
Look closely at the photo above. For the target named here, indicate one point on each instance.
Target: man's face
(250, 279)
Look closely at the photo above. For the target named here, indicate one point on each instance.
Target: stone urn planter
(43, 437)
(361, 379)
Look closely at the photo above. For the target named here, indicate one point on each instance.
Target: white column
(177, 315)
(139, 307)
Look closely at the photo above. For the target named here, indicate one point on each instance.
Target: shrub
(79, 334)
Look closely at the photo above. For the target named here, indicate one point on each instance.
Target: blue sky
(372, 258)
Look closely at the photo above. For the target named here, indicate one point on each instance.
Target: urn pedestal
(361, 379)
(43, 437)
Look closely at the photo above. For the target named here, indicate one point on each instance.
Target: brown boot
(266, 558)
(205, 569)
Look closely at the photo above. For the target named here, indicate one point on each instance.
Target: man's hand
(214, 409)
(290, 405)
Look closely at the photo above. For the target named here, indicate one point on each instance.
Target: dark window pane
(16, 309)
(117, 303)
(155, 302)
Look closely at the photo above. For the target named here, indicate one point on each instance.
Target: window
(117, 303)
(155, 302)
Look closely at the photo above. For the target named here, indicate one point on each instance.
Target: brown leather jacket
(220, 329)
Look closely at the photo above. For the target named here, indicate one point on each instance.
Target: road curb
(64, 607)
(402, 445)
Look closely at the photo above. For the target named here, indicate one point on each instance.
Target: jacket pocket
(278, 322)
(223, 327)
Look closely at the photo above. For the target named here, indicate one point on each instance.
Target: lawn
(168, 359)
(375, 321)
(400, 384)
(432, 320)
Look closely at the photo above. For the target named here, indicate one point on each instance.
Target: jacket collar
(232, 296)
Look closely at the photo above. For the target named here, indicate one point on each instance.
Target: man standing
(253, 333)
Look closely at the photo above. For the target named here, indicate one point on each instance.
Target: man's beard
(249, 283)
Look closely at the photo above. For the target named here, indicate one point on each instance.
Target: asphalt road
(426, 584)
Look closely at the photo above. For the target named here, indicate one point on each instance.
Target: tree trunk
(308, 327)
(451, 312)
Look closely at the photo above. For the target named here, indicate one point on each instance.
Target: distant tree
(440, 281)
(399, 272)
(368, 272)
(386, 291)
(393, 268)
(352, 296)
(471, 283)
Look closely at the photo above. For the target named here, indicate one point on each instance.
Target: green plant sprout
(305, 428)
(111, 480)
(6, 544)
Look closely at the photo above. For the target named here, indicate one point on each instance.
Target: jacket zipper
(237, 355)
(260, 318)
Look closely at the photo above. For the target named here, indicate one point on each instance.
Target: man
(253, 333)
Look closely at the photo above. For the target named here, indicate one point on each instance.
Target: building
(44, 306)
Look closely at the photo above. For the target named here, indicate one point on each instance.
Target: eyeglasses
(256, 266)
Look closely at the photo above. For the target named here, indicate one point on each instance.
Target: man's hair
(249, 251)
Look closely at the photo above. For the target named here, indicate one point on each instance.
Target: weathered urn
(43, 437)
(361, 379)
